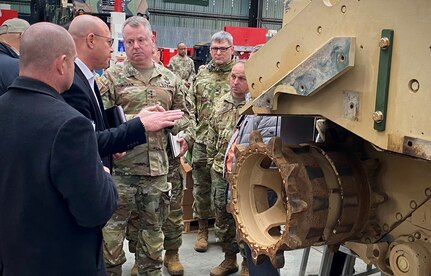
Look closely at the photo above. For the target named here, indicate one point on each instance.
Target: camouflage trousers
(124, 223)
(174, 224)
(153, 208)
(224, 222)
(202, 205)
(152, 205)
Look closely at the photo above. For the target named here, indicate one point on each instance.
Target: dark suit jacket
(109, 140)
(55, 196)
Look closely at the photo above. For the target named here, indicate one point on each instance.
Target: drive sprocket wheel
(285, 197)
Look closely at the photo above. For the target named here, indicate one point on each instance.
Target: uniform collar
(212, 67)
(132, 71)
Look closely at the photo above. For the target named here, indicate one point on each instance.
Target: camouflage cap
(14, 25)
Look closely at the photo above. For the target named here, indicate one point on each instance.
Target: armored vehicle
(360, 70)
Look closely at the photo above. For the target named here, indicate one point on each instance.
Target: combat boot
(228, 266)
(172, 262)
(244, 268)
(201, 243)
(134, 271)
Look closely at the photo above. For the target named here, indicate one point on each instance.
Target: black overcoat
(55, 196)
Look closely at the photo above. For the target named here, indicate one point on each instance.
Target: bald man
(55, 195)
(93, 45)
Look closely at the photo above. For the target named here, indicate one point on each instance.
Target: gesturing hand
(155, 118)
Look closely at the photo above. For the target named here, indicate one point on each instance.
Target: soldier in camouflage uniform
(174, 224)
(135, 83)
(212, 82)
(220, 129)
(182, 65)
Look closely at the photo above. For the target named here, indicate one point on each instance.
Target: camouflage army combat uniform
(123, 223)
(220, 130)
(211, 83)
(174, 224)
(146, 165)
(183, 67)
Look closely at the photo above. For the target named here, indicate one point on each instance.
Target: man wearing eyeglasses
(10, 37)
(212, 82)
(93, 45)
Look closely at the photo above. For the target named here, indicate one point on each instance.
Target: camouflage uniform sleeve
(212, 138)
(170, 65)
(179, 102)
(190, 133)
(192, 72)
(191, 96)
(106, 89)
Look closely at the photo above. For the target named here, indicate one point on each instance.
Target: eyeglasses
(110, 40)
(221, 49)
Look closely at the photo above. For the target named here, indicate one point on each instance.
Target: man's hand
(155, 118)
(183, 146)
(106, 169)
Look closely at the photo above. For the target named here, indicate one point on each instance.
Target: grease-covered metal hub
(294, 197)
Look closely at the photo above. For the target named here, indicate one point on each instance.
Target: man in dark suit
(93, 44)
(55, 195)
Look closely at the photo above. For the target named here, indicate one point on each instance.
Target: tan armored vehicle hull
(361, 68)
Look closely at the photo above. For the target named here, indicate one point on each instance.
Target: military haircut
(221, 36)
(136, 21)
(242, 61)
(42, 43)
(179, 43)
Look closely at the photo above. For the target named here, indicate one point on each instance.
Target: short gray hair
(135, 21)
(221, 36)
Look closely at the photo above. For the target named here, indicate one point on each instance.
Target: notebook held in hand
(115, 115)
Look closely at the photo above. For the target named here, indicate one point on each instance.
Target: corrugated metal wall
(272, 9)
(22, 6)
(172, 29)
(221, 7)
(192, 24)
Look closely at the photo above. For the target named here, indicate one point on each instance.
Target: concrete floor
(198, 264)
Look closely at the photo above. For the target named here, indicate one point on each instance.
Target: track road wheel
(286, 197)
